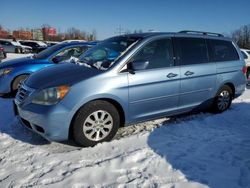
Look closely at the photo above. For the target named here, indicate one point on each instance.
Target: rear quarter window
(220, 50)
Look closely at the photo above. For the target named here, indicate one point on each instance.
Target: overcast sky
(105, 16)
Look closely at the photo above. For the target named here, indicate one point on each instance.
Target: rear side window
(220, 50)
(191, 50)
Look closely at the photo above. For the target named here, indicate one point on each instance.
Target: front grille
(22, 94)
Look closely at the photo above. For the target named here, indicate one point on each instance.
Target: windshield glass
(105, 53)
(48, 52)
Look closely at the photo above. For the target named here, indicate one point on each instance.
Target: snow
(188, 151)
(14, 56)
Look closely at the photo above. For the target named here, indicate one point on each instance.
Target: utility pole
(119, 30)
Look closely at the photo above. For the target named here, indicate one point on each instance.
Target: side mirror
(138, 65)
(56, 59)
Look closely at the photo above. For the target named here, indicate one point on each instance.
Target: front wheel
(96, 122)
(223, 99)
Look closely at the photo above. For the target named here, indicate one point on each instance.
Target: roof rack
(202, 33)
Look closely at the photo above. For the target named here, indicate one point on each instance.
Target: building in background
(4, 34)
(37, 34)
(22, 34)
(49, 33)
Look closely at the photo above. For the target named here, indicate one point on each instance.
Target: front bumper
(51, 122)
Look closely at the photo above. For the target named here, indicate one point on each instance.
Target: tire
(223, 99)
(18, 50)
(96, 122)
(16, 83)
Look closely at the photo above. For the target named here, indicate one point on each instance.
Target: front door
(154, 91)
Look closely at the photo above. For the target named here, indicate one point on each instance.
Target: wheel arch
(117, 105)
(231, 85)
(13, 80)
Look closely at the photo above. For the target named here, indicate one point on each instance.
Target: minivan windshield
(107, 52)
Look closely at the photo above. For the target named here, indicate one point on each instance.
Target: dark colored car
(37, 46)
(14, 71)
(2, 53)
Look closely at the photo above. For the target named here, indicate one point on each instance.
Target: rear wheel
(223, 99)
(96, 122)
(16, 82)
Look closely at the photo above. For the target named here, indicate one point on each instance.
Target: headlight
(5, 71)
(50, 96)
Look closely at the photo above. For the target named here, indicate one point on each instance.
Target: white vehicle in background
(246, 55)
(25, 49)
(74, 41)
(14, 46)
(51, 43)
(37, 46)
(10, 46)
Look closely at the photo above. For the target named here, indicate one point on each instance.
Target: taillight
(1, 48)
(244, 69)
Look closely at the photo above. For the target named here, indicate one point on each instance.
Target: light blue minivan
(129, 79)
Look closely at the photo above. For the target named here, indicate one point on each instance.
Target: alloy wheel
(223, 101)
(98, 125)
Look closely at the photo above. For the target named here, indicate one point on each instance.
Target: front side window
(158, 53)
(105, 54)
(191, 50)
(7, 43)
(248, 52)
(220, 50)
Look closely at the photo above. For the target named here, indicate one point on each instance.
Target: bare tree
(242, 36)
(92, 36)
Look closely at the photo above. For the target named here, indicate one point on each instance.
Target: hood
(19, 62)
(61, 74)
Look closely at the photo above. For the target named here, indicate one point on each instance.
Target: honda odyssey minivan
(128, 79)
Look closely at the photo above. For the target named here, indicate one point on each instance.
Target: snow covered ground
(13, 56)
(191, 151)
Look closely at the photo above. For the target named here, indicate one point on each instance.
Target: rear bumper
(239, 89)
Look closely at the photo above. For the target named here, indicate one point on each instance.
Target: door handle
(171, 75)
(188, 73)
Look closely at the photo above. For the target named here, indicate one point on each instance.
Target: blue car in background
(14, 71)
